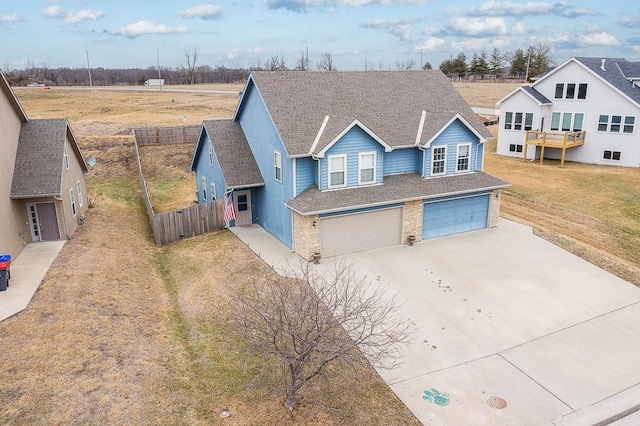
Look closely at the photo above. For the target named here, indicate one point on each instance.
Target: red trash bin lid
(4, 265)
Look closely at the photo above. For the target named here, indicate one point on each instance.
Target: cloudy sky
(379, 33)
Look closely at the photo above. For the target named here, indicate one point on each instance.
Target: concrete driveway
(503, 313)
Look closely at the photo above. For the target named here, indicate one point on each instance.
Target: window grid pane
(463, 158)
(616, 120)
(528, 121)
(571, 90)
(508, 120)
(603, 123)
(559, 90)
(555, 121)
(518, 123)
(629, 123)
(438, 160)
(577, 122)
(582, 91)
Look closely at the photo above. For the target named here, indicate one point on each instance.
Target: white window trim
(609, 123)
(458, 158)
(213, 191)
(611, 159)
(277, 158)
(444, 171)
(210, 153)
(72, 199)
(80, 200)
(203, 188)
(329, 171)
(66, 158)
(375, 161)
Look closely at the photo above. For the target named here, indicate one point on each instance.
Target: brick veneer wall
(494, 209)
(306, 237)
(412, 220)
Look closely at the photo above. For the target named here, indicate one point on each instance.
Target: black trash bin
(5, 274)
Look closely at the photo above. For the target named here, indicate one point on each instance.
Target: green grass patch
(121, 190)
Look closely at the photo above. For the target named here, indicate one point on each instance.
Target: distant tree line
(519, 64)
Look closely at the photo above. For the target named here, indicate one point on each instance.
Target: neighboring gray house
(42, 189)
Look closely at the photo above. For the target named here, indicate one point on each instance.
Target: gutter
(402, 200)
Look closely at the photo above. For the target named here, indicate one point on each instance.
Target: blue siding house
(337, 162)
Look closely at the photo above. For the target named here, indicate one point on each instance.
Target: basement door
(360, 231)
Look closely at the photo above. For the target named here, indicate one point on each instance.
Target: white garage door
(361, 231)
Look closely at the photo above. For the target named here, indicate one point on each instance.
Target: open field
(123, 332)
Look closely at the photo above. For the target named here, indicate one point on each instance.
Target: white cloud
(206, 12)
(304, 5)
(14, 18)
(52, 12)
(508, 8)
(146, 27)
(56, 12)
(469, 45)
(429, 45)
(478, 26)
(83, 15)
(242, 53)
(600, 38)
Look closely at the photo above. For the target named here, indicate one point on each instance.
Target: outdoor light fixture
(314, 223)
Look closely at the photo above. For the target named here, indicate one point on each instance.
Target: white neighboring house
(600, 96)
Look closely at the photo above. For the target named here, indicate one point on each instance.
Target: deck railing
(553, 140)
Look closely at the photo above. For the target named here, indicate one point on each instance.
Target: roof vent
(602, 65)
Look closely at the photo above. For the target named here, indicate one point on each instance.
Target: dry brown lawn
(124, 332)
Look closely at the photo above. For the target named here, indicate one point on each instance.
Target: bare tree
(405, 65)
(326, 63)
(192, 57)
(313, 319)
(303, 63)
(275, 63)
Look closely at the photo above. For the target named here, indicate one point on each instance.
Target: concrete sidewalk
(27, 272)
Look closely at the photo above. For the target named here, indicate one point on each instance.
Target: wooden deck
(553, 140)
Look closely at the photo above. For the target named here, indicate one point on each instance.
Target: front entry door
(47, 221)
(242, 200)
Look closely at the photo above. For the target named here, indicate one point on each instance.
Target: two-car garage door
(360, 231)
(454, 216)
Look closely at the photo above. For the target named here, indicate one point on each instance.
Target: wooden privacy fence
(182, 223)
(167, 135)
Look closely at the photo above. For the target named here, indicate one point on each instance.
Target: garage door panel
(455, 216)
(362, 231)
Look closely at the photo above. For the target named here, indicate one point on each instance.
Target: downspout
(64, 218)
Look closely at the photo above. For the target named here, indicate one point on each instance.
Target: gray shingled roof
(613, 73)
(536, 95)
(396, 188)
(238, 165)
(39, 160)
(389, 103)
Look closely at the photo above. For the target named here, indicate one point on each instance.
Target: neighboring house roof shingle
(39, 159)
(536, 95)
(389, 103)
(236, 160)
(396, 188)
(613, 73)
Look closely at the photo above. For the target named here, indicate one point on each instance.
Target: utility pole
(159, 76)
(88, 66)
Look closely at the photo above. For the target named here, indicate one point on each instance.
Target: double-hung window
(213, 192)
(277, 166)
(366, 168)
(80, 200)
(616, 123)
(66, 158)
(629, 123)
(462, 162)
(438, 160)
(210, 153)
(337, 171)
(72, 199)
(204, 188)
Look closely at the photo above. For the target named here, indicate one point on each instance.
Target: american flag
(229, 209)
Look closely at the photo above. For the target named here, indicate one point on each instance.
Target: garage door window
(337, 171)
